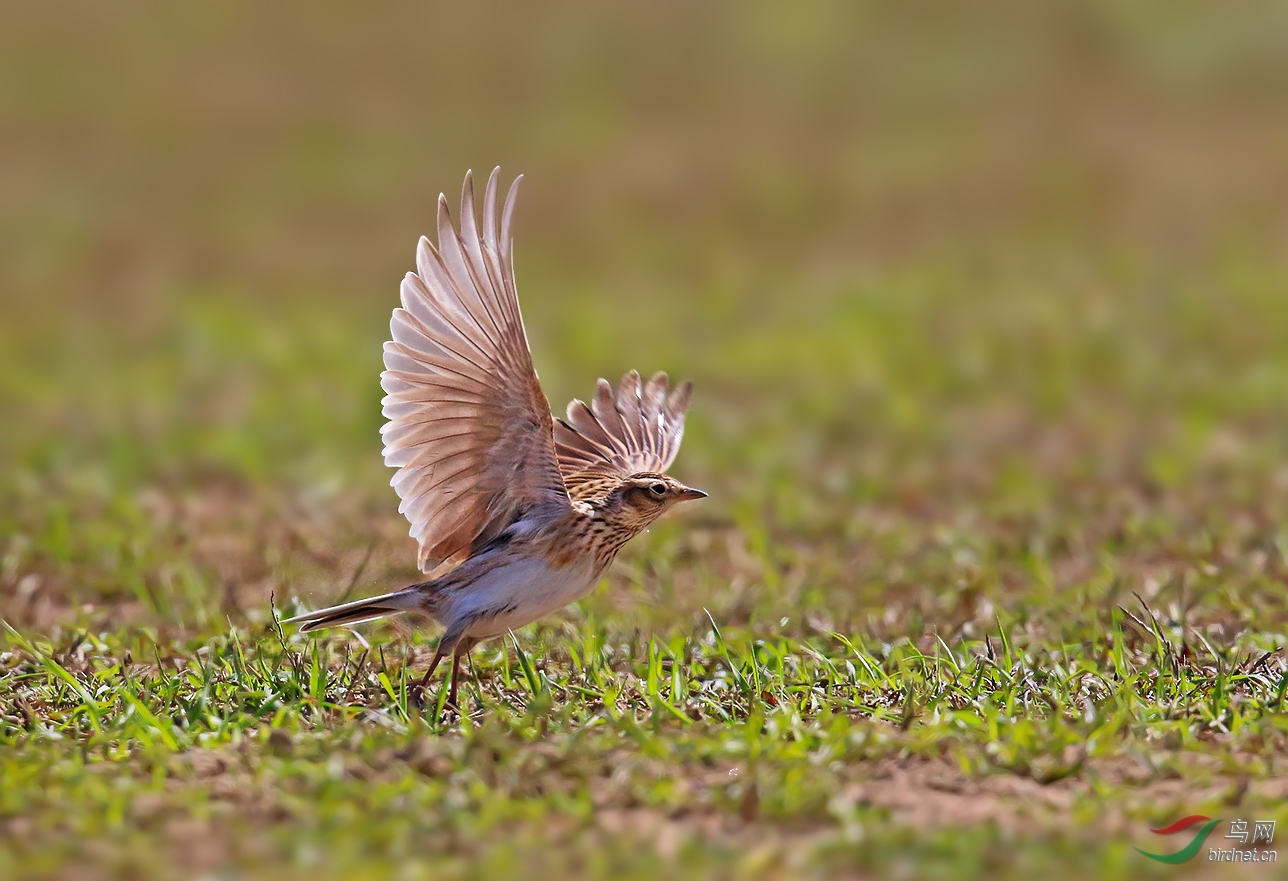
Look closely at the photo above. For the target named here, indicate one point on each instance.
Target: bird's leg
(462, 651)
(418, 690)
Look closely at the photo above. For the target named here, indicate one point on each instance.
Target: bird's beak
(691, 494)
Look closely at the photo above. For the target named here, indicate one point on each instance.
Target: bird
(517, 514)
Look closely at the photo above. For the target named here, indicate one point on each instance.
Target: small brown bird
(517, 514)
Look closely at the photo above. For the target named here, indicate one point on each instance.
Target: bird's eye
(658, 489)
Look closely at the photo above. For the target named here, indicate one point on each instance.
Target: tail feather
(357, 612)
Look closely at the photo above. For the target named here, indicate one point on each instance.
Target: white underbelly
(511, 595)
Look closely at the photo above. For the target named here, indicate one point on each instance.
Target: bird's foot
(418, 696)
(420, 699)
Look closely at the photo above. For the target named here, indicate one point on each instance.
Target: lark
(517, 513)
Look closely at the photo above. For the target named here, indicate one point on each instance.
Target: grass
(790, 756)
(907, 668)
(990, 348)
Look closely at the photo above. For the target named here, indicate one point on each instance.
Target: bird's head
(641, 498)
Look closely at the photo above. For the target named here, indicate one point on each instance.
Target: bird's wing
(469, 428)
(637, 428)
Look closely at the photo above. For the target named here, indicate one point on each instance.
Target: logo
(1190, 850)
(1263, 832)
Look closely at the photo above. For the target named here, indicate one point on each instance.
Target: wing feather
(637, 428)
(469, 428)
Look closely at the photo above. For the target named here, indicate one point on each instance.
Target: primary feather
(469, 428)
(634, 430)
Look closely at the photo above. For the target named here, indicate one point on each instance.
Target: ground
(991, 359)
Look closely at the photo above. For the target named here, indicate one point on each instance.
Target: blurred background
(973, 295)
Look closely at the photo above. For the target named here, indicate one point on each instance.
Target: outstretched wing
(636, 429)
(469, 428)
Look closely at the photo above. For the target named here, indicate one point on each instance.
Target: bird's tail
(360, 610)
